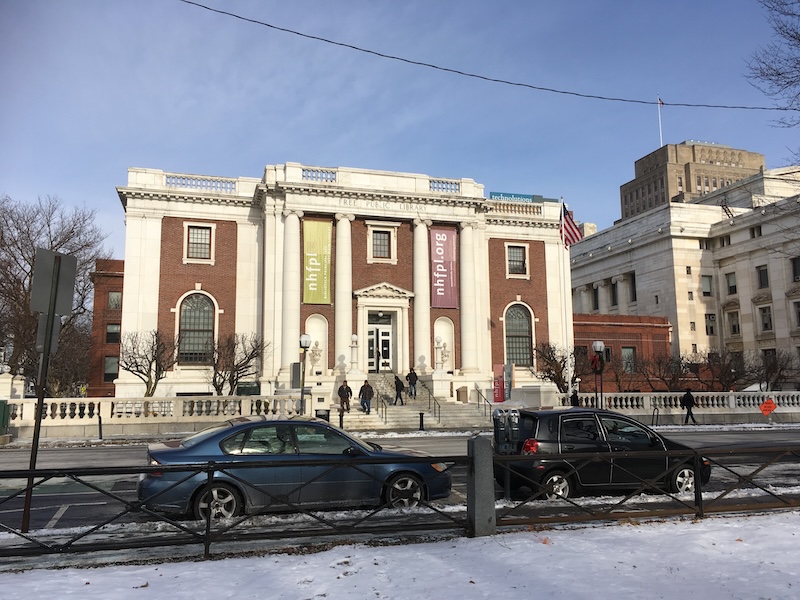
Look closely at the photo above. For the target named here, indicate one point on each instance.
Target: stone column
(469, 315)
(623, 294)
(343, 295)
(422, 360)
(292, 289)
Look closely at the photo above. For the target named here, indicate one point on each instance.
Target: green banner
(317, 237)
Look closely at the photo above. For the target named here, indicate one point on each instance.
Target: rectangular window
(688, 270)
(680, 184)
(614, 300)
(595, 299)
(112, 333)
(724, 240)
(114, 300)
(381, 247)
(691, 296)
(199, 243)
(763, 277)
(796, 269)
(110, 368)
(656, 298)
(733, 323)
(382, 242)
(730, 280)
(707, 283)
(692, 326)
(517, 260)
(796, 306)
(711, 321)
(765, 316)
(629, 359)
(755, 231)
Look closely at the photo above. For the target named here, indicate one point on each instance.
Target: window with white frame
(711, 321)
(517, 261)
(733, 323)
(730, 281)
(382, 242)
(519, 335)
(762, 276)
(796, 270)
(196, 340)
(628, 359)
(199, 243)
(707, 282)
(110, 368)
(765, 318)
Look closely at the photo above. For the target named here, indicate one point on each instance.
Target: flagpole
(565, 289)
(660, 138)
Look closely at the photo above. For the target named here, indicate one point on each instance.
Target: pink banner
(499, 383)
(444, 286)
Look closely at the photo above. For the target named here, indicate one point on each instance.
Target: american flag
(570, 233)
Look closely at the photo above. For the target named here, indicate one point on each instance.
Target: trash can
(323, 413)
(462, 394)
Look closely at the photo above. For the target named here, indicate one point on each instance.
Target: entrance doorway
(379, 342)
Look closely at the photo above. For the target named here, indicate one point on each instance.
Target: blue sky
(92, 87)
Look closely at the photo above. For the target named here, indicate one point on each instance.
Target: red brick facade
(178, 278)
(107, 278)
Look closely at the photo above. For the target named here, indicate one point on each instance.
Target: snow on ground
(736, 557)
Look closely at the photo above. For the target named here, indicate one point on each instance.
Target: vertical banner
(317, 237)
(444, 285)
(499, 391)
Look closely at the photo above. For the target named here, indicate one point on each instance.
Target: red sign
(768, 406)
(499, 384)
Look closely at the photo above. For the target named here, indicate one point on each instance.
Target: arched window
(196, 330)
(518, 336)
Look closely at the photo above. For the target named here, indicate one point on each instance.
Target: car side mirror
(352, 451)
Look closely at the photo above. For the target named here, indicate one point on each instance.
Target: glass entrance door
(379, 343)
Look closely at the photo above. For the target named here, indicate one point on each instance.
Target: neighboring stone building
(724, 270)
(106, 327)
(426, 272)
(684, 172)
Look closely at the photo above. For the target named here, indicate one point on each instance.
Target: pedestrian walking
(365, 395)
(411, 378)
(345, 393)
(399, 386)
(688, 403)
(573, 399)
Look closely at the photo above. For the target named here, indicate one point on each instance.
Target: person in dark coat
(688, 403)
(399, 386)
(365, 395)
(573, 399)
(344, 393)
(411, 378)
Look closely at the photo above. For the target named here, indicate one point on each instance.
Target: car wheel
(221, 500)
(683, 479)
(404, 491)
(556, 486)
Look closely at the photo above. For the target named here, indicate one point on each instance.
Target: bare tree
(775, 68)
(721, 369)
(770, 370)
(50, 225)
(149, 356)
(552, 362)
(663, 372)
(235, 358)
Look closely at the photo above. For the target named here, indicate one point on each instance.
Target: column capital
(343, 216)
(418, 222)
(467, 225)
(289, 211)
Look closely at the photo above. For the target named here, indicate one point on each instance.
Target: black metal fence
(105, 514)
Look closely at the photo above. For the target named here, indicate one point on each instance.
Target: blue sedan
(298, 463)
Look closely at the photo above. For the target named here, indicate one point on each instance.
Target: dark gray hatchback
(629, 453)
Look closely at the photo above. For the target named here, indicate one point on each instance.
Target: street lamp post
(598, 362)
(305, 344)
